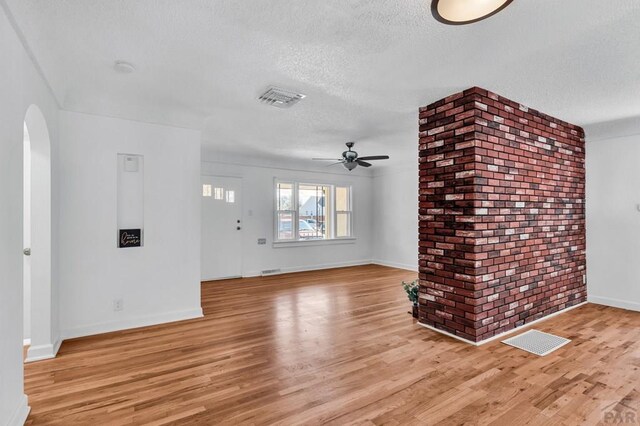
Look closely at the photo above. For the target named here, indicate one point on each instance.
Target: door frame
(43, 345)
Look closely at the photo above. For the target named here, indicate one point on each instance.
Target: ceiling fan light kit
(460, 12)
(350, 159)
(350, 166)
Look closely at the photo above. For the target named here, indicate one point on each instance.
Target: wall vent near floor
(270, 272)
(281, 98)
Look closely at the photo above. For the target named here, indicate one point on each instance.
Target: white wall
(396, 216)
(20, 86)
(258, 210)
(386, 209)
(159, 282)
(613, 216)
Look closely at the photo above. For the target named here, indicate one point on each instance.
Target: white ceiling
(365, 66)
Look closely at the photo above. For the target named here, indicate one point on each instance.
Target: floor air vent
(280, 98)
(537, 342)
(270, 272)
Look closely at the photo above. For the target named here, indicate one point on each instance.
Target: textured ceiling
(365, 66)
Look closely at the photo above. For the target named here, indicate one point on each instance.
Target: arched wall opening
(40, 307)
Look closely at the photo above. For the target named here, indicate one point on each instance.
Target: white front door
(221, 227)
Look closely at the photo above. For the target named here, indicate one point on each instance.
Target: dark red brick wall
(502, 220)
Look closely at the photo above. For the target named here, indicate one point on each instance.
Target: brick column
(502, 225)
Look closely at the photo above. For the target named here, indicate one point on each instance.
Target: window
(307, 212)
(343, 212)
(313, 201)
(231, 196)
(217, 193)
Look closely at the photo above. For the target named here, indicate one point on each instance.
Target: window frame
(332, 238)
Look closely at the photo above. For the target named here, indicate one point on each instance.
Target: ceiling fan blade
(374, 157)
(363, 163)
(333, 164)
(326, 159)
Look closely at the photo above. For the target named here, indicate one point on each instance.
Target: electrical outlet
(118, 305)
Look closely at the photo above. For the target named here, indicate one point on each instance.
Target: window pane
(342, 199)
(218, 193)
(231, 196)
(206, 190)
(312, 210)
(285, 196)
(343, 224)
(285, 220)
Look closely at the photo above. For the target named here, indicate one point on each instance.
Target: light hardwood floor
(334, 347)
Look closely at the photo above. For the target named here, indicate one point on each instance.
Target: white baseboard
(408, 267)
(311, 268)
(41, 352)
(615, 303)
(498, 336)
(230, 277)
(21, 413)
(126, 324)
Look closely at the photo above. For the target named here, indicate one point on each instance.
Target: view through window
(312, 211)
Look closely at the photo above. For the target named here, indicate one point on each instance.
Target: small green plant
(412, 289)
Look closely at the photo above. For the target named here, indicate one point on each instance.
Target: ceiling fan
(350, 158)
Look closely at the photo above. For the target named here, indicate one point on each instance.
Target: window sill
(313, 243)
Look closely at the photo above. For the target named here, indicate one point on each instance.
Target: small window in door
(206, 190)
(231, 196)
(218, 193)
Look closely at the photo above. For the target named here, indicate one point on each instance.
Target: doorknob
(27, 252)
(238, 228)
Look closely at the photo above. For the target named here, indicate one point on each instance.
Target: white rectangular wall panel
(130, 195)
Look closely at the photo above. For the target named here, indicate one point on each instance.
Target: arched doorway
(38, 252)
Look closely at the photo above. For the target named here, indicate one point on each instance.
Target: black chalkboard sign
(129, 238)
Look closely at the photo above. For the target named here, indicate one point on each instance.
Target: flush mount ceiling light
(459, 12)
(123, 67)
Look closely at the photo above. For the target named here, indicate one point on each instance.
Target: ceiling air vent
(280, 98)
